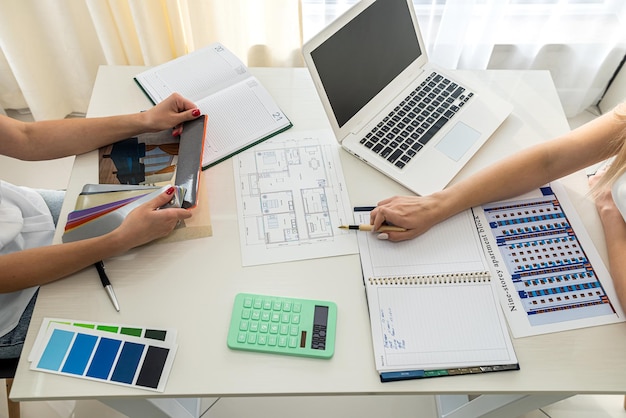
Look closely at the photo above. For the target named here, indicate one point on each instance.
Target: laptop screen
(365, 55)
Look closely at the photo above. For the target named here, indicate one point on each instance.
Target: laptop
(389, 106)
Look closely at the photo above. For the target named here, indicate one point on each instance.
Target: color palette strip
(106, 357)
(78, 217)
(154, 333)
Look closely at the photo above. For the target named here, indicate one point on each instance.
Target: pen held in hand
(107, 284)
(365, 227)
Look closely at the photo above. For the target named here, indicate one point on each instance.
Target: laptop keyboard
(414, 122)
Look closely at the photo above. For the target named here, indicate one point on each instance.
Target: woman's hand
(147, 222)
(603, 199)
(416, 214)
(171, 112)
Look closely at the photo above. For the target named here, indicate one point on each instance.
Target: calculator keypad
(271, 322)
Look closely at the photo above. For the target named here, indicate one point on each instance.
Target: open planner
(241, 111)
(433, 309)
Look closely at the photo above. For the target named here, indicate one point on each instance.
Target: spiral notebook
(433, 308)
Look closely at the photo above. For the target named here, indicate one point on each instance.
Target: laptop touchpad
(458, 141)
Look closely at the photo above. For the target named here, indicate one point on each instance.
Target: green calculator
(283, 325)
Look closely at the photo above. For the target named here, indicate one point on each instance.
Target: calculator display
(321, 315)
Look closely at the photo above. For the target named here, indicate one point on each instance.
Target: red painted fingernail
(195, 112)
(170, 191)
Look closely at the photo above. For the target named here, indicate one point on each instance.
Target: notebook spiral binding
(450, 278)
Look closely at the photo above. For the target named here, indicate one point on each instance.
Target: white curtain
(581, 42)
(50, 50)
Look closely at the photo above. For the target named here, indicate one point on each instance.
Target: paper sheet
(550, 276)
(291, 199)
(433, 253)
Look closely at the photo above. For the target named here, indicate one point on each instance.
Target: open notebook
(433, 308)
(241, 111)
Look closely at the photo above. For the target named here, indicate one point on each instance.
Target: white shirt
(25, 222)
(618, 191)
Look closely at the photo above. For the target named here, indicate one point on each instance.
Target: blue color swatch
(54, 353)
(104, 358)
(127, 363)
(80, 353)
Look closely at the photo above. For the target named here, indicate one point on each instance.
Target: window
(318, 13)
(581, 42)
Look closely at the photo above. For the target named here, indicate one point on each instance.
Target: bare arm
(42, 265)
(46, 140)
(506, 178)
(53, 139)
(614, 229)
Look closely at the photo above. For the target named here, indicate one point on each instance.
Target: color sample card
(154, 333)
(104, 356)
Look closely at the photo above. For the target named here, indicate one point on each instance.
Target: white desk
(190, 285)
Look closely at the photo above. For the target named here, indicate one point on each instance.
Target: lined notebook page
(195, 75)
(439, 326)
(449, 247)
(259, 115)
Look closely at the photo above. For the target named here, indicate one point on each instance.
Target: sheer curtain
(581, 42)
(50, 50)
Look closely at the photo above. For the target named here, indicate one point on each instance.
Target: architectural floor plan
(291, 198)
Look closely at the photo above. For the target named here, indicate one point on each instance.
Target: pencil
(365, 227)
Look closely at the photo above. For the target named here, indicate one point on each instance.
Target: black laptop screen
(360, 59)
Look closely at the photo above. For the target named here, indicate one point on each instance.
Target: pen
(365, 227)
(107, 284)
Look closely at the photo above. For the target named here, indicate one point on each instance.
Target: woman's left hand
(171, 112)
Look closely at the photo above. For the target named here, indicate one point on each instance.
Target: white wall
(53, 174)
